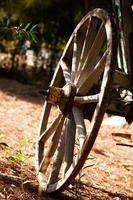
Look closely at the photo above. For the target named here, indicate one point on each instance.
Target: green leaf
(3, 22)
(34, 38)
(33, 27)
(24, 33)
(27, 26)
(8, 22)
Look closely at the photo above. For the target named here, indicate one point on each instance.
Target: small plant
(17, 157)
(20, 156)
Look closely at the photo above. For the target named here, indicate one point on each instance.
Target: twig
(11, 177)
(123, 144)
(123, 135)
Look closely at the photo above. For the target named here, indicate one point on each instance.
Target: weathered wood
(127, 28)
(80, 125)
(44, 118)
(91, 31)
(74, 58)
(49, 131)
(92, 76)
(80, 40)
(59, 154)
(52, 147)
(66, 71)
(88, 41)
(69, 142)
(92, 55)
(46, 109)
(56, 80)
(42, 127)
(86, 99)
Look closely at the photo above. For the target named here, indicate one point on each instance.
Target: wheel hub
(62, 97)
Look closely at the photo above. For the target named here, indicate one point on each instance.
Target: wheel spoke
(89, 38)
(69, 142)
(66, 71)
(79, 37)
(43, 125)
(93, 75)
(58, 158)
(74, 58)
(80, 125)
(52, 147)
(86, 99)
(50, 130)
(44, 120)
(92, 55)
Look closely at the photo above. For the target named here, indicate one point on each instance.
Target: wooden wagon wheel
(76, 101)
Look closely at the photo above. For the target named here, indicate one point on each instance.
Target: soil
(107, 173)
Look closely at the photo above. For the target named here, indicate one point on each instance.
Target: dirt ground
(107, 174)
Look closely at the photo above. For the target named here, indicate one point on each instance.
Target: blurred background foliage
(47, 24)
(56, 19)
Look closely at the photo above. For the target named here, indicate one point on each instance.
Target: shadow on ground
(22, 91)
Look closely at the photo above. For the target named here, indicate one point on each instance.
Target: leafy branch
(9, 31)
(26, 32)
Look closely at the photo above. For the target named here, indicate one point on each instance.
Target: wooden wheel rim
(100, 108)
